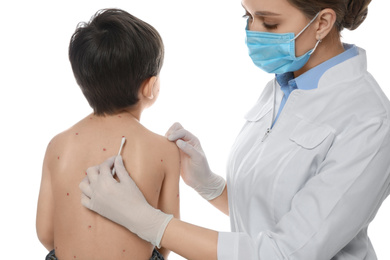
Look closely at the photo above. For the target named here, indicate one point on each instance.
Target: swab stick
(119, 153)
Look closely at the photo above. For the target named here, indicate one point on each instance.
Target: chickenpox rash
(119, 116)
(177, 196)
(58, 157)
(104, 149)
(161, 160)
(89, 227)
(124, 250)
(77, 133)
(67, 194)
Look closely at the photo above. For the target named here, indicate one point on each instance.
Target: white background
(208, 83)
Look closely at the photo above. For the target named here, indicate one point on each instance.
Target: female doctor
(310, 167)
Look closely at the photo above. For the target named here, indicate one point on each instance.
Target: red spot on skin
(90, 118)
(89, 226)
(56, 248)
(119, 116)
(74, 257)
(85, 173)
(58, 158)
(161, 160)
(67, 194)
(104, 149)
(124, 250)
(177, 195)
(123, 136)
(77, 133)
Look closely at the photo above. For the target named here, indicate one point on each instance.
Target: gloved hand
(195, 169)
(122, 202)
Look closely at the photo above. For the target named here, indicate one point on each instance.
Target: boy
(116, 59)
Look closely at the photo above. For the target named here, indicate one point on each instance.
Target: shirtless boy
(116, 59)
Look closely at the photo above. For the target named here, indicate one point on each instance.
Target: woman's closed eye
(270, 26)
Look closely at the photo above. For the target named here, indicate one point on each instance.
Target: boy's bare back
(80, 233)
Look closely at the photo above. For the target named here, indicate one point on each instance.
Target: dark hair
(111, 56)
(350, 13)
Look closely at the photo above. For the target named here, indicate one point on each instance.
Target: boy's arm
(45, 210)
(169, 201)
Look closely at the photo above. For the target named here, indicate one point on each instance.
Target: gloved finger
(105, 168)
(107, 164)
(187, 148)
(176, 126)
(85, 187)
(121, 171)
(184, 135)
(92, 173)
(85, 201)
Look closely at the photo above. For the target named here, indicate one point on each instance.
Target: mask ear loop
(315, 47)
(312, 20)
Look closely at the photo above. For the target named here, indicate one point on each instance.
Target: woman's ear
(147, 87)
(326, 20)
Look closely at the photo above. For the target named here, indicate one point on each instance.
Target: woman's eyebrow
(265, 13)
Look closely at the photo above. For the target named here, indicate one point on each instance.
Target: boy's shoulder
(161, 142)
(62, 139)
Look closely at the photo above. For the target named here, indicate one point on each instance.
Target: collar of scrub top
(309, 80)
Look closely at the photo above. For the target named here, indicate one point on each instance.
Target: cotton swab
(119, 153)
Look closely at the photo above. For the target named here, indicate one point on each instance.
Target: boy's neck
(133, 112)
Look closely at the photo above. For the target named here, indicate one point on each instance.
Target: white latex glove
(122, 202)
(195, 171)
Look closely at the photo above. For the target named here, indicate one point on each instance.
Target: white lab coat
(309, 189)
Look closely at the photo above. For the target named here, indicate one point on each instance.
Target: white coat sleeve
(332, 208)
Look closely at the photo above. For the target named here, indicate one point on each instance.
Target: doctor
(310, 167)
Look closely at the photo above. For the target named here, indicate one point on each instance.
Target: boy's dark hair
(111, 56)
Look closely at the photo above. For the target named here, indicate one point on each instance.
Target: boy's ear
(147, 87)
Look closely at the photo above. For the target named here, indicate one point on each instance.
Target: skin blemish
(124, 250)
(67, 194)
(58, 157)
(119, 116)
(161, 160)
(89, 226)
(177, 196)
(104, 149)
(77, 133)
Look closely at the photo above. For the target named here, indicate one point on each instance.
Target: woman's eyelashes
(267, 26)
(247, 16)
(270, 26)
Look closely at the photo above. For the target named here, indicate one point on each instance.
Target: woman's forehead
(268, 6)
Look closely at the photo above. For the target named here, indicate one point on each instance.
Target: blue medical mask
(275, 52)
